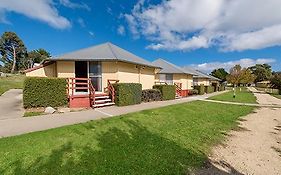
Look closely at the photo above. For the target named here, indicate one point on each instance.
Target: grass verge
(243, 96)
(31, 114)
(170, 140)
(11, 82)
(277, 96)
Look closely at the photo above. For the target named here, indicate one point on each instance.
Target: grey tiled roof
(103, 52)
(199, 74)
(169, 68)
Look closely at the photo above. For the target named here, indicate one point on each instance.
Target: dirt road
(255, 148)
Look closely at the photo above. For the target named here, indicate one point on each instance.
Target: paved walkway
(17, 126)
(253, 147)
(11, 104)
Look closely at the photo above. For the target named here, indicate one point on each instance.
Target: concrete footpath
(17, 126)
(11, 104)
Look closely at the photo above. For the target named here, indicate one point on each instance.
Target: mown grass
(11, 82)
(169, 140)
(277, 96)
(31, 114)
(243, 96)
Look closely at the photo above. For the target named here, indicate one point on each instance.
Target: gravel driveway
(255, 147)
(11, 104)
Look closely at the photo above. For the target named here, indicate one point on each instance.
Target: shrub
(209, 89)
(222, 87)
(127, 93)
(151, 95)
(193, 92)
(168, 91)
(201, 89)
(43, 92)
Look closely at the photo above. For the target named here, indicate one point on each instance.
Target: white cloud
(245, 62)
(121, 30)
(72, 5)
(230, 25)
(92, 34)
(42, 10)
(81, 22)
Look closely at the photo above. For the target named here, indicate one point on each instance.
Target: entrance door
(81, 68)
(95, 74)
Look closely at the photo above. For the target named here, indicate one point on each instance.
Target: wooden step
(103, 104)
(101, 97)
(102, 101)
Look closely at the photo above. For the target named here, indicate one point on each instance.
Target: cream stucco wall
(66, 69)
(147, 77)
(109, 72)
(124, 72)
(47, 71)
(132, 73)
(204, 81)
(185, 79)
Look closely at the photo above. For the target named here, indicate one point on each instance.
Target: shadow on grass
(116, 151)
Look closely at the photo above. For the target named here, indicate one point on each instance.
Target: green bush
(168, 91)
(127, 93)
(201, 89)
(193, 92)
(222, 87)
(43, 92)
(209, 89)
(151, 95)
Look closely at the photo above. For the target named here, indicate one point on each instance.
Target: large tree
(276, 81)
(261, 71)
(235, 75)
(247, 77)
(12, 50)
(220, 73)
(36, 56)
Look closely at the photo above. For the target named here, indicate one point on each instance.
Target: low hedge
(151, 95)
(193, 92)
(168, 91)
(127, 93)
(222, 88)
(209, 89)
(43, 92)
(200, 89)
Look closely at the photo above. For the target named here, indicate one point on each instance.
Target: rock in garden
(49, 110)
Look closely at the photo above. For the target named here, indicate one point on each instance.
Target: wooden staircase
(178, 90)
(82, 94)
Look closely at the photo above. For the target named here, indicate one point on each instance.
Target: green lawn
(277, 96)
(11, 82)
(243, 96)
(169, 140)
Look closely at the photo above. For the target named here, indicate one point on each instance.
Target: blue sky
(180, 31)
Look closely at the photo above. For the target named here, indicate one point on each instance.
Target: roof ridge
(111, 49)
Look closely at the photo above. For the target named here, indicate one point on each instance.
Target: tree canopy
(261, 71)
(13, 51)
(237, 76)
(220, 73)
(276, 81)
(36, 56)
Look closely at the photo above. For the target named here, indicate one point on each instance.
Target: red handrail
(178, 88)
(110, 88)
(72, 85)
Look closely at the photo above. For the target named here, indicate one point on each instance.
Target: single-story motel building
(105, 63)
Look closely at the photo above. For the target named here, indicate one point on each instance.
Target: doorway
(81, 71)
